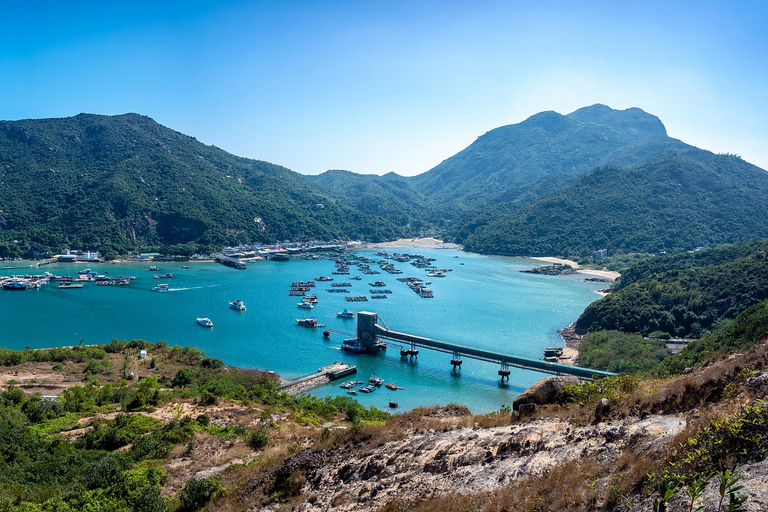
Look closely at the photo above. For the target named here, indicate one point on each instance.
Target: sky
(380, 86)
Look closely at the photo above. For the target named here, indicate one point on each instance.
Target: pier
(372, 335)
(322, 376)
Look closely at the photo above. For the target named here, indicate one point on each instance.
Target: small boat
(375, 381)
(310, 299)
(238, 305)
(393, 404)
(163, 276)
(162, 287)
(392, 386)
(86, 271)
(323, 278)
(185, 266)
(67, 284)
(308, 322)
(153, 268)
(353, 345)
(355, 278)
(377, 284)
(205, 322)
(345, 314)
(436, 274)
(368, 388)
(352, 391)
(15, 285)
(305, 305)
(348, 385)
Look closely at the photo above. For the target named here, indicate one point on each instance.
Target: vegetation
(674, 204)
(620, 352)
(683, 295)
(117, 183)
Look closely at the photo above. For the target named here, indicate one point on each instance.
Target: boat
(377, 284)
(308, 322)
(238, 305)
(310, 299)
(392, 386)
(85, 271)
(163, 276)
(355, 278)
(68, 284)
(368, 388)
(436, 274)
(15, 285)
(345, 314)
(185, 266)
(323, 278)
(376, 381)
(348, 385)
(353, 345)
(153, 269)
(352, 391)
(205, 322)
(305, 305)
(162, 287)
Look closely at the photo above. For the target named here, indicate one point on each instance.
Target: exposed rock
(602, 409)
(544, 391)
(757, 384)
(464, 460)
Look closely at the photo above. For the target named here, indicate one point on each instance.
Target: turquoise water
(486, 302)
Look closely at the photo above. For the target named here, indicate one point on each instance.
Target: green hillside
(544, 144)
(673, 204)
(115, 183)
(685, 294)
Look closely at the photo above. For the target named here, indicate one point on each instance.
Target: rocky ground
(466, 460)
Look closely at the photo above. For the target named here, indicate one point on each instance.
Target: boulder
(757, 384)
(602, 409)
(544, 391)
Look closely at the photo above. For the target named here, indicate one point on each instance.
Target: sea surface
(484, 302)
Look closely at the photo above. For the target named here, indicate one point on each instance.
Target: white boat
(305, 305)
(67, 284)
(345, 314)
(160, 288)
(153, 268)
(238, 305)
(205, 322)
(85, 271)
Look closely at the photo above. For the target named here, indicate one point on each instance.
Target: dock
(322, 376)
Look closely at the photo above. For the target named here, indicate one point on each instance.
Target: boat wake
(192, 288)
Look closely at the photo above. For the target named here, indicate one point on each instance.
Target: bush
(258, 438)
(197, 493)
(620, 352)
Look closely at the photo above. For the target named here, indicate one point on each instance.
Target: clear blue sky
(379, 86)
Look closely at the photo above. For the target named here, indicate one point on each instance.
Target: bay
(484, 302)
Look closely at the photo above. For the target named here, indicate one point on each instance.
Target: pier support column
(456, 362)
(504, 372)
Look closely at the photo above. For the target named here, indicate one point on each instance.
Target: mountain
(676, 203)
(544, 144)
(115, 183)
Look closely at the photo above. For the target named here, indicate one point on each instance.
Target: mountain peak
(633, 119)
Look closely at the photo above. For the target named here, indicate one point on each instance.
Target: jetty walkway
(323, 376)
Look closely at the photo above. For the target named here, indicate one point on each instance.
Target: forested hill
(674, 204)
(683, 295)
(114, 183)
(544, 144)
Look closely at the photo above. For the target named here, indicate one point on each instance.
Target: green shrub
(197, 493)
(620, 352)
(258, 438)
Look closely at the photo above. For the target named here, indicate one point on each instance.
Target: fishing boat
(237, 305)
(308, 322)
(310, 299)
(345, 314)
(368, 388)
(436, 274)
(352, 345)
(352, 391)
(163, 276)
(16, 285)
(392, 386)
(162, 287)
(68, 284)
(153, 268)
(355, 278)
(348, 385)
(323, 278)
(377, 284)
(185, 266)
(205, 322)
(305, 305)
(375, 381)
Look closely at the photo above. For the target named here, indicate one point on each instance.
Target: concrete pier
(323, 376)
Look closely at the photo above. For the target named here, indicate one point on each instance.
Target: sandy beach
(412, 243)
(605, 274)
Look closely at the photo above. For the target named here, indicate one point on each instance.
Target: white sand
(413, 243)
(605, 274)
